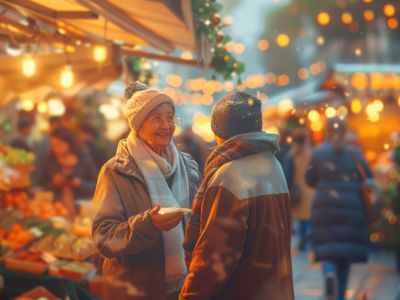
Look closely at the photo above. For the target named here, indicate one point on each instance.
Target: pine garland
(208, 23)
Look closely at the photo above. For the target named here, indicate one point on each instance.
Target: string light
(282, 40)
(389, 10)
(263, 45)
(392, 23)
(369, 15)
(28, 66)
(323, 18)
(347, 18)
(356, 106)
(67, 76)
(330, 112)
(100, 53)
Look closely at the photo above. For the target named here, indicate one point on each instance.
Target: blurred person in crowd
(23, 139)
(193, 144)
(338, 222)
(238, 237)
(68, 171)
(284, 145)
(295, 164)
(142, 247)
(43, 147)
(99, 148)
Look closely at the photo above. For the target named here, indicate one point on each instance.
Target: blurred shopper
(339, 221)
(193, 144)
(43, 148)
(68, 172)
(99, 148)
(238, 235)
(295, 164)
(143, 248)
(23, 140)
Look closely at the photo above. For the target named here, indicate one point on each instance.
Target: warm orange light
(369, 15)
(283, 40)
(283, 80)
(356, 106)
(389, 10)
(368, 1)
(347, 18)
(359, 81)
(392, 23)
(323, 18)
(263, 45)
(303, 74)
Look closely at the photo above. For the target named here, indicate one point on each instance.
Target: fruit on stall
(16, 199)
(17, 237)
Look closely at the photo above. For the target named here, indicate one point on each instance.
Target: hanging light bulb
(100, 53)
(67, 76)
(28, 66)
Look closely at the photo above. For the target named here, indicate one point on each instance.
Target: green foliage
(15, 156)
(140, 69)
(208, 23)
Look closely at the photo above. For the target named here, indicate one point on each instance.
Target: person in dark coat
(338, 220)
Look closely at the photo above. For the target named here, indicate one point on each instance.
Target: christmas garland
(208, 24)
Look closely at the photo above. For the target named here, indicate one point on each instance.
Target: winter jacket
(133, 267)
(338, 221)
(243, 251)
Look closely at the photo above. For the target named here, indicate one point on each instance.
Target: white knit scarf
(155, 170)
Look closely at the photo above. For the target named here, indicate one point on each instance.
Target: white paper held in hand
(172, 210)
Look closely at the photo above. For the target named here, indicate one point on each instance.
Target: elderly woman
(144, 258)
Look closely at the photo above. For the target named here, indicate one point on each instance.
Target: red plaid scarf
(233, 149)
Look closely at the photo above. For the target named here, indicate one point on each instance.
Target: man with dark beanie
(237, 239)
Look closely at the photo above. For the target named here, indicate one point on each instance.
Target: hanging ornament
(216, 19)
(220, 36)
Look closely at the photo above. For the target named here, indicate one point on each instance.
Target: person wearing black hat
(338, 220)
(237, 239)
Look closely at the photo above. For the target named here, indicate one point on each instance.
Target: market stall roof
(367, 68)
(61, 31)
(310, 93)
(162, 24)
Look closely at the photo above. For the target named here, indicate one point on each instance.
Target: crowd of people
(243, 197)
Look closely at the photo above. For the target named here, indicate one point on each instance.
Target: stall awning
(162, 24)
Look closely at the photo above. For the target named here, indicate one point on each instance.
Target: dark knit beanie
(236, 113)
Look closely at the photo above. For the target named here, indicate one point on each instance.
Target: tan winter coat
(243, 251)
(133, 267)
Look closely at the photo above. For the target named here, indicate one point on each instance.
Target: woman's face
(158, 127)
(59, 147)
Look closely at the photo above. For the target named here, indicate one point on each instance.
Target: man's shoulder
(251, 176)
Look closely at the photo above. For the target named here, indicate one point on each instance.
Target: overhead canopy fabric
(161, 24)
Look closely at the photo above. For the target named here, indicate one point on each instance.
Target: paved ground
(376, 280)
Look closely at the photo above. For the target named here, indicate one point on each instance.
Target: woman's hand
(165, 222)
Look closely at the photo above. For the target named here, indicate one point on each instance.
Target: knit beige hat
(141, 102)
